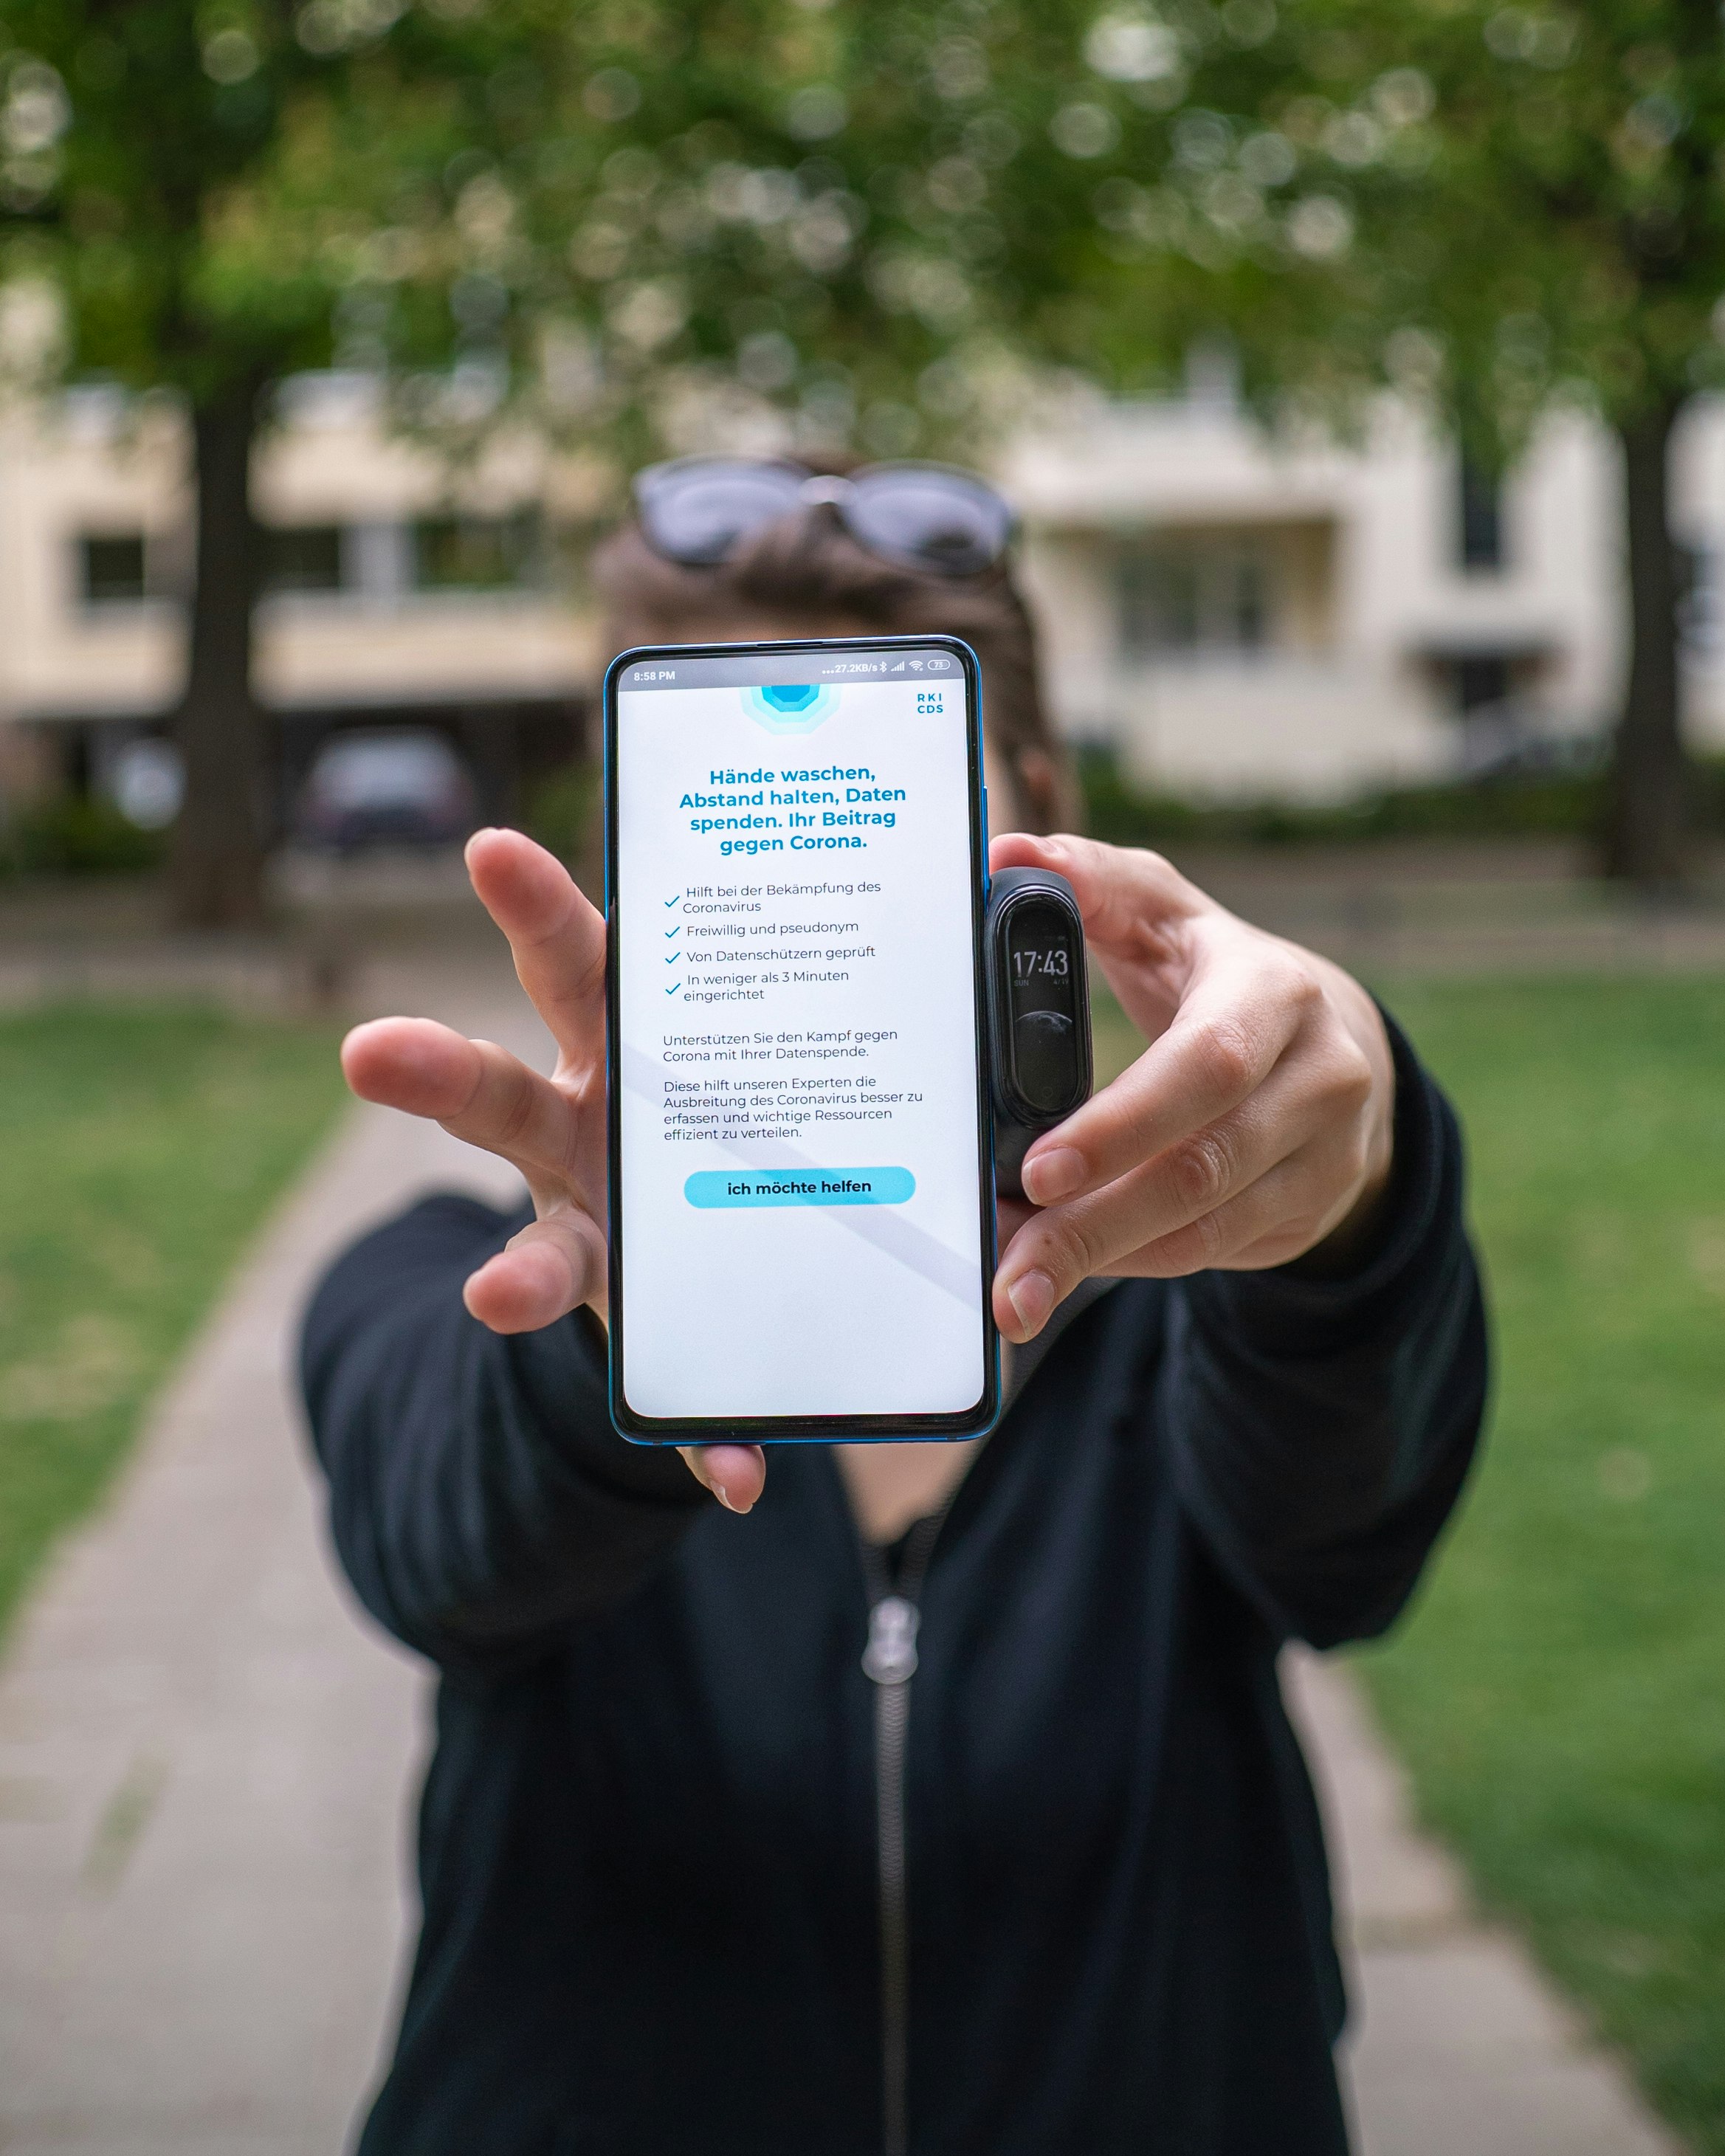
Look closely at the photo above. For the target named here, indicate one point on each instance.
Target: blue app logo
(791, 707)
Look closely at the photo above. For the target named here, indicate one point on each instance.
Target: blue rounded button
(717, 1187)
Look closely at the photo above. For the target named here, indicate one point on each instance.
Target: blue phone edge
(973, 672)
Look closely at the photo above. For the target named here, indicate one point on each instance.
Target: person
(910, 1799)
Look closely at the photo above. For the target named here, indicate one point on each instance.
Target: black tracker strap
(1039, 1056)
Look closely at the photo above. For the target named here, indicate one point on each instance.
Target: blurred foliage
(138, 1150)
(562, 812)
(652, 224)
(1515, 805)
(1562, 229)
(1556, 1690)
(71, 834)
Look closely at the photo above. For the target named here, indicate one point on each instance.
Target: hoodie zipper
(890, 1662)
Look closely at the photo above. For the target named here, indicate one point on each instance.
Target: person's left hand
(1254, 1129)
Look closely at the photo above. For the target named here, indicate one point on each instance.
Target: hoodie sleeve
(1321, 1429)
(480, 1497)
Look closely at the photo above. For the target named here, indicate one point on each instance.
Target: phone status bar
(766, 669)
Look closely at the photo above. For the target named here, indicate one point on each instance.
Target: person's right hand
(552, 1129)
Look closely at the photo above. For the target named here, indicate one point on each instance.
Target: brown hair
(808, 564)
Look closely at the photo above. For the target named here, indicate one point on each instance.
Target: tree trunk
(1647, 832)
(216, 861)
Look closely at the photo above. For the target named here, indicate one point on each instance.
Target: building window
(1700, 622)
(477, 553)
(1202, 596)
(1479, 515)
(111, 569)
(1481, 679)
(303, 557)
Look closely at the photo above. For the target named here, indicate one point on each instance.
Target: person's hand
(1254, 1129)
(552, 1129)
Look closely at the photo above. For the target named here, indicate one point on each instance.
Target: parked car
(389, 786)
(1513, 739)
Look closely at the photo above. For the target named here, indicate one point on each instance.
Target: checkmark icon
(672, 901)
(672, 957)
(670, 932)
(673, 989)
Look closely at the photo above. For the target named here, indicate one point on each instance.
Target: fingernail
(1051, 1175)
(718, 1491)
(1032, 1295)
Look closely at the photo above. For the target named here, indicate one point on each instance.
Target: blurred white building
(396, 591)
(1236, 617)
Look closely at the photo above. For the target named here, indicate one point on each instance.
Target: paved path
(1458, 2046)
(206, 1754)
(207, 1760)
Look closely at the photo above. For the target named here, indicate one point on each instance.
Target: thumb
(735, 1473)
(1130, 898)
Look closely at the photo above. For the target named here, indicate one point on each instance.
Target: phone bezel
(778, 1429)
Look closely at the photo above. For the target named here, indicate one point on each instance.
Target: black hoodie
(697, 1884)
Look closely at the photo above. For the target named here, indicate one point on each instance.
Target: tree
(648, 226)
(223, 191)
(1496, 208)
(642, 224)
(1502, 207)
(1568, 239)
(143, 141)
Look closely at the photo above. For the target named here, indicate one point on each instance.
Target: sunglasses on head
(698, 510)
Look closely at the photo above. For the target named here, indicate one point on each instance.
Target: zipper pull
(891, 1656)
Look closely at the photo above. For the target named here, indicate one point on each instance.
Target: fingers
(412, 1063)
(1201, 1201)
(556, 936)
(1057, 1249)
(1231, 1032)
(556, 1264)
(477, 1090)
(1178, 1196)
(1134, 902)
(735, 1473)
(1275, 1220)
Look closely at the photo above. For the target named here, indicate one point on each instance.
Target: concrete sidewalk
(1457, 2046)
(207, 1762)
(206, 1754)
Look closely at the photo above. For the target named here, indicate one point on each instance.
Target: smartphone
(802, 1220)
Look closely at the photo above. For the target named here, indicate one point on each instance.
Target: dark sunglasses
(698, 510)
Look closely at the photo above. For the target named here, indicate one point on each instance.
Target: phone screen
(802, 1214)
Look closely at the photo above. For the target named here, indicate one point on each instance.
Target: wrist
(1352, 1240)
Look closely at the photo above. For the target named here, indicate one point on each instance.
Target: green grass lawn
(1559, 1690)
(138, 1150)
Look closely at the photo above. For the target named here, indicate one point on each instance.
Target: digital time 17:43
(1027, 963)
